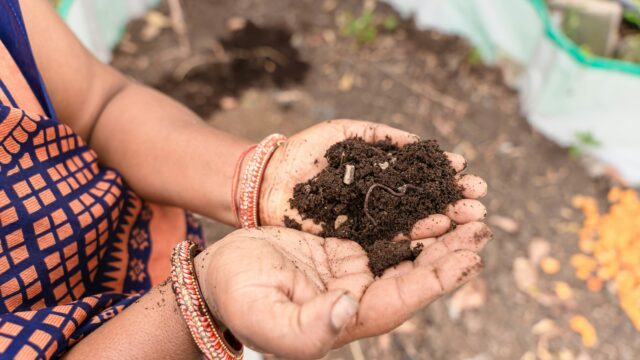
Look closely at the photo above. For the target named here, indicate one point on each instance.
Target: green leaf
(474, 57)
(584, 141)
(574, 152)
(632, 17)
(362, 27)
(586, 138)
(390, 23)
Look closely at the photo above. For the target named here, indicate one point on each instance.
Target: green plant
(584, 140)
(363, 27)
(632, 17)
(474, 57)
(390, 23)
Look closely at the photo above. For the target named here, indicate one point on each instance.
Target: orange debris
(583, 327)
(563, 290)
(550, 265)
(594, 284)
(610, 245)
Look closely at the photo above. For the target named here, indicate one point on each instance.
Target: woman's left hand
(297, 295)
(302, 157)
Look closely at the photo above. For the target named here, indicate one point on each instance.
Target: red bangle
(234, 184)
(194, 309)
(251, 181)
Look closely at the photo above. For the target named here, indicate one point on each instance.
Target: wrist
(214, 340)
(251, 192)
(267, 209)
(236, 193)
(205, 281)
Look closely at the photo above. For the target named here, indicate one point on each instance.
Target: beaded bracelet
(194, 309)
(251, 180)
(234, 184)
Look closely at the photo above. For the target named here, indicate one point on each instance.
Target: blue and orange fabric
(76, 243)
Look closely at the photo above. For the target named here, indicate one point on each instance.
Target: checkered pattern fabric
(74, 239)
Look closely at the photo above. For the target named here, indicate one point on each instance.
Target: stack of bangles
(251, 181)
(206, 333)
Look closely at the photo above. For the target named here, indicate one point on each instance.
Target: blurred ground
(427, 83)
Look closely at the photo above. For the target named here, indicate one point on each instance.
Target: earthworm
(402, 190)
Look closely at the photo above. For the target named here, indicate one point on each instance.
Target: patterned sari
(76, 243)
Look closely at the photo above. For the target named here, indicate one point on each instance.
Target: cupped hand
(297, 295)
(302, 157)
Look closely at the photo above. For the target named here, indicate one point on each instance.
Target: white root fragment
(349, 174)
(341, 219)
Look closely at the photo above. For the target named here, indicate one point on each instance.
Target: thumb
(322, 319)
(306, 331)
(326, 315)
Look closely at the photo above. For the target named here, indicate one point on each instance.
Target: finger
(457, 161)
(355, 264)
(338, 249)
(431, 226)
(425, 243)
(354, 284)
(295, 220)
(466, 210)
(398, 270)
(374, 132)
(444, 275)
(310, 227)
(471, 237)
(474, 187)
(389, 302)
(286, 329)
(349, 267)
(399, 137)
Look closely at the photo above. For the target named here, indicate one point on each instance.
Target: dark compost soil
(248, 57)
(370, 193)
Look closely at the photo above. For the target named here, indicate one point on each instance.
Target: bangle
(194, 309)
(251, 181)
(234, 184)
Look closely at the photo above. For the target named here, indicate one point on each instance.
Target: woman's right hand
(301, 158)
(297, 295)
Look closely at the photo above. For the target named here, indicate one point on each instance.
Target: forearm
(166, 153)
(151, 328)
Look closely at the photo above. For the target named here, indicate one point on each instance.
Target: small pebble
(341, 219)
(349, 174)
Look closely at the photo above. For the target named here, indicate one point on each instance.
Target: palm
(302, 157)
(278, 275)
(298, 160)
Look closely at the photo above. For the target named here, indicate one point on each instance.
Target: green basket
(575, 51)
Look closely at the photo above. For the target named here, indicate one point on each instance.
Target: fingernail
(343, 310)
(418, 138)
